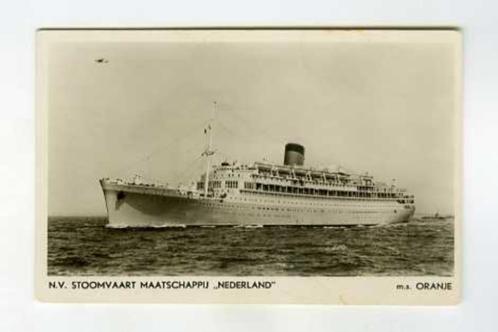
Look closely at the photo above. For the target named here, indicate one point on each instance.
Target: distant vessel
(436, 216)
(258, 194)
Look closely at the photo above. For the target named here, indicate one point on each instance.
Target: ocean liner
(258, 194)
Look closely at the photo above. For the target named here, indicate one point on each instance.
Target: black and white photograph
(224, 166)
(250, 153)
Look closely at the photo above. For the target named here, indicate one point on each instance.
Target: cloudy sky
(367, 103)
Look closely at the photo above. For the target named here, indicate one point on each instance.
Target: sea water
(79, 246)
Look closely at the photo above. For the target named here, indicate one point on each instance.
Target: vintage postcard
(306, 166)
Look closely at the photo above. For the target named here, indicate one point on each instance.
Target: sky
(386, 106)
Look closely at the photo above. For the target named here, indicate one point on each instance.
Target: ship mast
(209, 151)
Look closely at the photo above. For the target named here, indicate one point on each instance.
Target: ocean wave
(71, 261)
(145, 226)
(339, 247)
(393, 225)
(98, 250)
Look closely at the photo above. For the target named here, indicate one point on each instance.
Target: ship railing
(271, 180)
(317, 195)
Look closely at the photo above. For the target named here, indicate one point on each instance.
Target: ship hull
(137, 206)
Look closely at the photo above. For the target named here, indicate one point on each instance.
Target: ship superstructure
(259, 194)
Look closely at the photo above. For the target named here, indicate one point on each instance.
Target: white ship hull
(145, 206)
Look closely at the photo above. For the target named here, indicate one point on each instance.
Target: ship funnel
(294, 154)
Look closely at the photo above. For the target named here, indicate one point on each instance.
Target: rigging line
(258, 129)
(230, 131)
(199, 147)
(189, 177)
(175, 175)
(144, 173)
(240, 120)
(235, 116)
(161, 148)
(223, 155)
(189, 169)
(246, 138)
(147, 157)
(249, 138)
(266, 134)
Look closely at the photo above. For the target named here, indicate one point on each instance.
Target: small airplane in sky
(101, 60)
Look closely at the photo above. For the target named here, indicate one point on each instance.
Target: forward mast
(209, 131)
